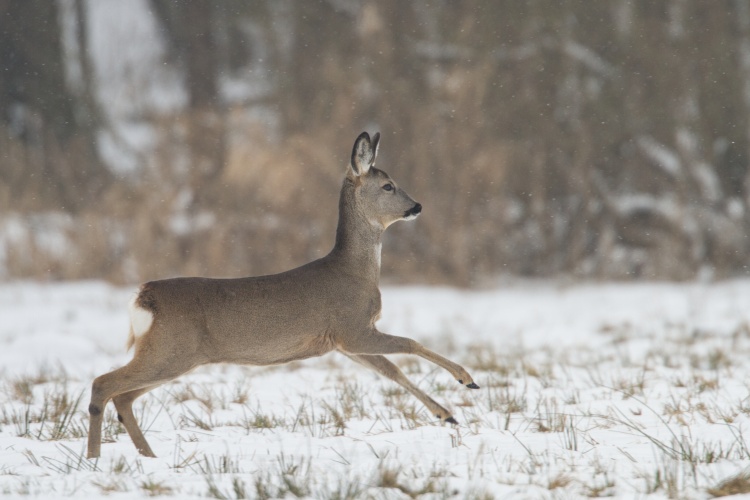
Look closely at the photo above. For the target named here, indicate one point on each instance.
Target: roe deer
(331, 304)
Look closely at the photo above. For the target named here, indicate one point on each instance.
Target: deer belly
(262, 350)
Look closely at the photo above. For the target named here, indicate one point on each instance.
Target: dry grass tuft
(735, 485)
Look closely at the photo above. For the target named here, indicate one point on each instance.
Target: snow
(630, 390)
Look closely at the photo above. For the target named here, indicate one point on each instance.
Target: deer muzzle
(413, 211)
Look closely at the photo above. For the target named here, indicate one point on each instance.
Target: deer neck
(358, 241)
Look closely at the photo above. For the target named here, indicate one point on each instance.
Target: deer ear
(375, 146)
(363, 153)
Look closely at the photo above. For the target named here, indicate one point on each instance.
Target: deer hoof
(451, 420)
(473, 385)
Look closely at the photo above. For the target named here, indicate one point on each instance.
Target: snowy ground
(627, 390)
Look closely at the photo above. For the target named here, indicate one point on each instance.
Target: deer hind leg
(383, 366)
(130, 381)
(124, 405)
(375, 342)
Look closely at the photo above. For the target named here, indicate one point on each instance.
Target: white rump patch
(140, 318)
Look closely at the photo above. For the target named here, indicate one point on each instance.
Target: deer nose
(413, 211)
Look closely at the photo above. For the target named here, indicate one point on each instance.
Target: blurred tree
(319, 73)
(42, 112)
(189, 29)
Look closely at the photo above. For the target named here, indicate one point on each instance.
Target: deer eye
(388, 187)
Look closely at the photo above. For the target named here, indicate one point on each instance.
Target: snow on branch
(663, 157)
(575, 50)
(588, 58)
(439, 51)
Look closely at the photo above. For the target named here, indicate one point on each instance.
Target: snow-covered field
(627, 390)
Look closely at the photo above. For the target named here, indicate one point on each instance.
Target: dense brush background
(147, 139)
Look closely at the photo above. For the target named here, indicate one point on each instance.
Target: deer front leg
(383, 366)
(375, 342)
